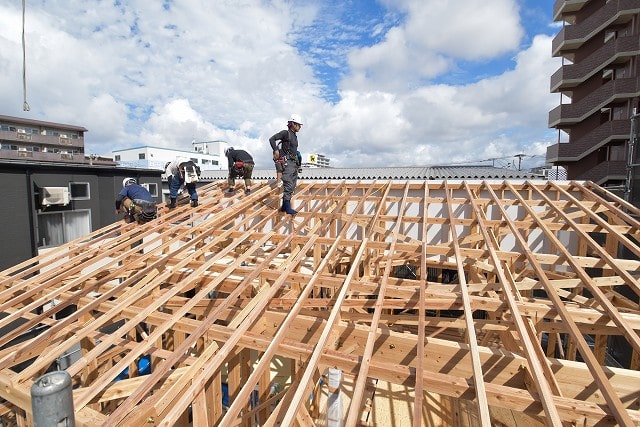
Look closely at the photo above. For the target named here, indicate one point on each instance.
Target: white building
(209, 155)
(315, 160)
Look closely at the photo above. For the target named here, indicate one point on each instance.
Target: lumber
(463, 301)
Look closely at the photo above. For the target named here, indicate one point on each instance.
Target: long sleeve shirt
(134, 192)
(239, 156)
(285, 141)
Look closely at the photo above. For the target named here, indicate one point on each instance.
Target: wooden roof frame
(198, 289)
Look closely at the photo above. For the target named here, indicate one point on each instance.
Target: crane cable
(25, 106)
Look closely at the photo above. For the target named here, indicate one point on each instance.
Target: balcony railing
(40, 140)
(34, 156)
(566, 6)
(572, 75)
(576, 150)
(566, 114)
(605, 171)
(573, 36)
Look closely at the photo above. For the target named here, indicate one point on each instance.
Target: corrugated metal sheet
(392, 173)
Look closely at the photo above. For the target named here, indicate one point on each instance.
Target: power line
(520, 156)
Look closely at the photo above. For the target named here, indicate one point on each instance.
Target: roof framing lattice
(474, 297)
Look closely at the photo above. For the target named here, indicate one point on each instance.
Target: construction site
(381, 303)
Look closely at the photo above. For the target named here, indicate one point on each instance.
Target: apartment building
(599, 87)
(35, 140)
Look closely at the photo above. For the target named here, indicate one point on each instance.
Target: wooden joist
(513, 297)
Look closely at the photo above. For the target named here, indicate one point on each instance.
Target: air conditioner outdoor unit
(54, 196)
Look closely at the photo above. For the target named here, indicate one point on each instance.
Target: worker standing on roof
(285, 148)
(182, 171)
(240, 166)
(135, 202)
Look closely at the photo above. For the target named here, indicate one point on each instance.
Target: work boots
(286, 207)
(194, 203)
(172, 203)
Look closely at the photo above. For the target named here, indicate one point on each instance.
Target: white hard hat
(128, 181)
(295, 118)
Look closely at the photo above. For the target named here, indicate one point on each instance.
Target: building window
(152, 187)
(141, 156)
(57, 228)
(117, 157)
(79, 191)
(617, 153)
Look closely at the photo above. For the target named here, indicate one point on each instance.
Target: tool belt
(238, 169)
(143, 210)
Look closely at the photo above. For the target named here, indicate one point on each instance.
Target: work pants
(289, 179)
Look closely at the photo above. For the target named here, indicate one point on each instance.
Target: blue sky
(378, 83)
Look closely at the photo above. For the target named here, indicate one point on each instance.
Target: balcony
(605, 171)
(568, 114)
(41, 140)
(569, 76)
(39, 156)
(561, 7)
(614, 12)
(602, 135)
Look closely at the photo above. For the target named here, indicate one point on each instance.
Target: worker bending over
(240, 166)
(182, 171)
(135, 202)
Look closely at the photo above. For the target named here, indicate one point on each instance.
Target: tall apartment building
(599, 87)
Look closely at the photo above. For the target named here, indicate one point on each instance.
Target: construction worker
(182, 171)
(240, 166)
(135, 202)
(285, 146)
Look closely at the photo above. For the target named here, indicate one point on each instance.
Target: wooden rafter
(514, 293)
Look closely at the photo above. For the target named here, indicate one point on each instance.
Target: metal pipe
(52, 400)
(631, 164)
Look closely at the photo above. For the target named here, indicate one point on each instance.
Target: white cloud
(165, 73)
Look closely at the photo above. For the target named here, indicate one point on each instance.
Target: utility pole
(520, 156)
(634, 138)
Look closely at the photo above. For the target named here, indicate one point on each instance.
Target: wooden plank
(248, 268)
(610, 395)
(542, 385)
(420, 359)
(472, 340)
(353, 413)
